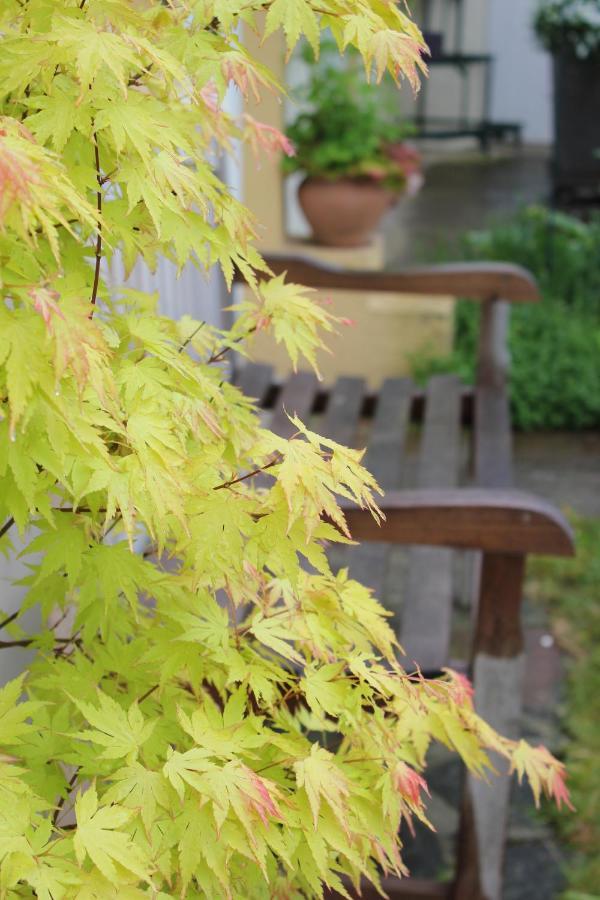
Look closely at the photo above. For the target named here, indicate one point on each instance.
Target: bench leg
(497, 671)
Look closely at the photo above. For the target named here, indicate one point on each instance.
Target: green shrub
(571, 591)
(562, 252)
(555, 345)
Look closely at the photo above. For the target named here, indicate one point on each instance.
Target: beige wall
(262, 184)
(388, 330)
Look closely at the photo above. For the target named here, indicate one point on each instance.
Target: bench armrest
(493, 521)
(473, 281)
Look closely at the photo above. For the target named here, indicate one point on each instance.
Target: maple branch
(10, 619)
(7, 526)
(99, 208)
(147, 693)
(5, 645)
(217, 357)
(107, 177)
(228, 484)
(27, 642)
(189, 339)
(63, 799)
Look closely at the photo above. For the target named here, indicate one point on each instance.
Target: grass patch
(570, 590)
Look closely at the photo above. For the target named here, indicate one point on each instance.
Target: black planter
(576, 159)
(435, 42)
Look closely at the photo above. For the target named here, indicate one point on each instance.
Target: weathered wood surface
(427, 611)
(384, 458)
(398, 889)
(297, 398)
(467, 518)
(255, 381)
(343, 411)
(497, 670)
(492, 435)
(474, 281)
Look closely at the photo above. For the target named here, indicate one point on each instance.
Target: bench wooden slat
(427, 611)
(492, 436)
(254, 379)
(385, 448)
(297, 397)
(345, 402)
(493, 439)
(384, 460)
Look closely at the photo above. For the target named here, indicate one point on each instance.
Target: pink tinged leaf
(559, 790)
(45, 303)
(210, 96)
(461, 689)
(409, 784)
(268, 137)
(17, 175)
(262, 323)
(260, 799)
(555, 781)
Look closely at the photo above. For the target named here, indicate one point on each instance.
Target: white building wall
(522, 85)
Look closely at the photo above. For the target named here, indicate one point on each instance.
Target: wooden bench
(449, 505)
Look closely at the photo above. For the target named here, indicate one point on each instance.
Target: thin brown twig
(62, 800)
(10, 619)
(99, 208)
(217, 357)
(227, 484)
(147, 693)
(189, 339)
(7, 526)
(60, 620)
(27, 642)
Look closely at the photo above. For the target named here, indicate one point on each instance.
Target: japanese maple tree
(163, 742)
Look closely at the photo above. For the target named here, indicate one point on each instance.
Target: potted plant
(350, 145)
(570, 30)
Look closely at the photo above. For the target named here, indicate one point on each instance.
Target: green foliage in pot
(351, 128)
(571, 26)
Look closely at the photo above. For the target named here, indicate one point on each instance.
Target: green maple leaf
(326, 690)
(58, 116)
(296, 17)
(276, 636)
(63, 548)
(52, 877)
(14, 714)
(121, 733)
(98, 836)
(322, 779)
(137, 787)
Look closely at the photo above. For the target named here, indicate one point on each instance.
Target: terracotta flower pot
(345, 212)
